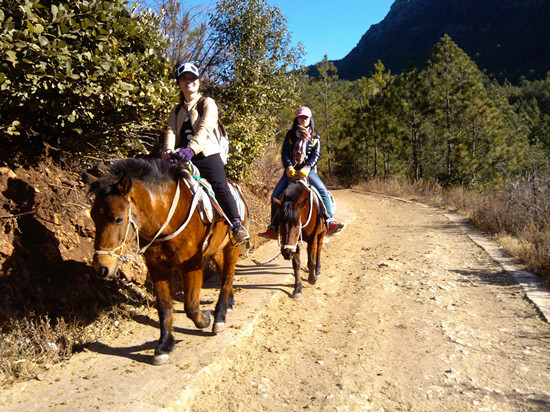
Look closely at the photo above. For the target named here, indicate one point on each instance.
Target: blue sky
(331, 27)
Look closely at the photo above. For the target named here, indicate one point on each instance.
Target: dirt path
(409, 314)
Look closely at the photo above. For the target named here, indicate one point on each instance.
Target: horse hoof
(297, 296)
(218, 327)
(206, 320)
(160, 359)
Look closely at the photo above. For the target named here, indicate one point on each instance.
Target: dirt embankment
(46, 245)
(409, 314)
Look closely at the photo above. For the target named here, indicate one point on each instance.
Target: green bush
(80, 75)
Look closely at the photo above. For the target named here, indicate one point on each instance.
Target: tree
(375, 113)
(409, 106)
(253, 73)
(322, 97)
(186, 28)
(531, 101)
(467, 130)
(371, 119)
(349, 160)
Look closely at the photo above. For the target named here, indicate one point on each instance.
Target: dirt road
(409, 314)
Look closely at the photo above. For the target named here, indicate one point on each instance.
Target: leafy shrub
(80, 75)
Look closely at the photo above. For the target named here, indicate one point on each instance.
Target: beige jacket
(205, 139)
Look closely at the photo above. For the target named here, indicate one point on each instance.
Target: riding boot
(240, 234)
(333, 226)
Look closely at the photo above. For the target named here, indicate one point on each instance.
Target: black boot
(240, 234)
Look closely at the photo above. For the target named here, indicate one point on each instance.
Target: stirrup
(238, 242)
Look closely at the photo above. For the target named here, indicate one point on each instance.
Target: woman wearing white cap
(300, 153)
(192, 127)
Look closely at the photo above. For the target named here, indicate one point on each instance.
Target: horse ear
(88, 178)
(277, 202)
(124, 185)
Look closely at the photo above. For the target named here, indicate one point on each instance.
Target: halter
(111, 252)
(132, 222)
(300, 224)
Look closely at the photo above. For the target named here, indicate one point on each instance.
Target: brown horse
(301, 218)
(141, 196)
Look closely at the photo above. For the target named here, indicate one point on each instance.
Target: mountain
(506, 38)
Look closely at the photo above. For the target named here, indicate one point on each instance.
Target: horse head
(112, 217)
(291, 207)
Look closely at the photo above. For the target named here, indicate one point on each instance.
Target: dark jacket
(313, 150)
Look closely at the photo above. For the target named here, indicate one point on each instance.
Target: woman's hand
(290, 172)
(304, 171)
(185, 155)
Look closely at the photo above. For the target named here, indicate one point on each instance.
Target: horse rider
(192, 133)
(300, 153)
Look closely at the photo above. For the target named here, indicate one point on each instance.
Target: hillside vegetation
(87, 82)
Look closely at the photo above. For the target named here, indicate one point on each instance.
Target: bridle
(111, 252)
(133, 223)
(300, 239)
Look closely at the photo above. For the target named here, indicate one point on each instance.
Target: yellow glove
(304, 171)
(290, 172)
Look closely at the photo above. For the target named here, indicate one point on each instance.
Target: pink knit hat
(303, 111)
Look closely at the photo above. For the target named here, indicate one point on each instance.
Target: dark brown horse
(149, 200)
(301, 219)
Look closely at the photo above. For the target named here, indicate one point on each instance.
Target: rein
(156, 238)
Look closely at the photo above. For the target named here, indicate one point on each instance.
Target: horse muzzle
(105, 266)
(288, 252)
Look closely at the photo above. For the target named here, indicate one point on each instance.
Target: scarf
(304, 136)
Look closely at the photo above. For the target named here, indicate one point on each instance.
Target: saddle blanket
(207, 201)
(320, 201)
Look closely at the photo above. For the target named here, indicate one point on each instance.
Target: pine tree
(372, 113)
(409, 106)
(321, 96)
(467, 131)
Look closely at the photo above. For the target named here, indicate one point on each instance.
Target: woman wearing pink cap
(300, 153)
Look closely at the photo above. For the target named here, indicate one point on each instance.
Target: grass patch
(31, 343)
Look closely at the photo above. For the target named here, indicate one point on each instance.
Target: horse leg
(314, 259)
(225, 262)
(192, 283)
(297, 293)
(162, 288)
(320, 240)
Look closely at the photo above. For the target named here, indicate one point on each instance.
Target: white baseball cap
(186, 68)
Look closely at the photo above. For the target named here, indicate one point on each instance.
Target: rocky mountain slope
(506, 38)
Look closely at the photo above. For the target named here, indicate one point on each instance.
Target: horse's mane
(290, 196)
(149, 172)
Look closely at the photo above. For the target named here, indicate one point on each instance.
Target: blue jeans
(314, 180)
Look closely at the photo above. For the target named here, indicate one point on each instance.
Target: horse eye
(119, 220)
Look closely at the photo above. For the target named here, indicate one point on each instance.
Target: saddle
(207, 202)
(319, 201)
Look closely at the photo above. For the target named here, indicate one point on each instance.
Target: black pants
(212, 169)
